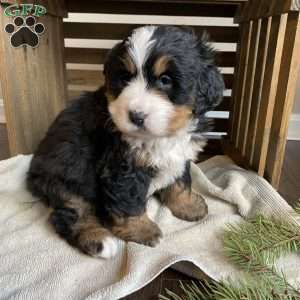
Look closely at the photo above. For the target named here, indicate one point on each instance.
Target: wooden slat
(231, 104)
(247, 96)
(85, 78)
(289, 70)
(257, 87)
(255, 9)
(152, 8)
(96, 78)
(35, 92)
(270, 81)
(85, 55)
(72, 95)
(97, 56)
(240, 76)
(295, 5)
(120, 31)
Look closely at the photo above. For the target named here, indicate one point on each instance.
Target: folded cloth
(36, 264)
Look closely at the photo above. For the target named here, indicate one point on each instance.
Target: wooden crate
(36, 83)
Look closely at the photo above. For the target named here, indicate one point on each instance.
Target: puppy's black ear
(210, 88)
(111, 56)
(209, 84)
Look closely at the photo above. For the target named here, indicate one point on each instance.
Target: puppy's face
(152, 81)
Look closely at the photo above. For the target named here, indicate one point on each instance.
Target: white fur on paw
(110, 247)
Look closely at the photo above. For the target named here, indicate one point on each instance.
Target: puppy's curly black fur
(89, 173)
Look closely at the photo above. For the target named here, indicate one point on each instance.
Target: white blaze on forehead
(137, 97)
(140, 44)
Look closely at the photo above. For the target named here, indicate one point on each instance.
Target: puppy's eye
(125, 76)
(165, 80)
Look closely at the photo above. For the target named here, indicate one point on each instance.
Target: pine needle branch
(259, 242)
(254, 247)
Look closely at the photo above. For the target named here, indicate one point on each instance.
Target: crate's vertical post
(248, 88)
(260, 117)
(239, 81)
(263, 44)
(268, 92)
(289, 70)
(33, 79)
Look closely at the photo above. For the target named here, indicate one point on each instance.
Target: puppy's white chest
(170, 159)
(168, 156)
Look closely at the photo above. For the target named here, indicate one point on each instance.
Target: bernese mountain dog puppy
(106, 154)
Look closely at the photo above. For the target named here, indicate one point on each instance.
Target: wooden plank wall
(88, 39)
(30, 104)
(269, 62)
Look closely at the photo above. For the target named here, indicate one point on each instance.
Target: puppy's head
(160, 80)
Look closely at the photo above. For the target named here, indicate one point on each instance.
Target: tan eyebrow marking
(128, 63)
(161, 65)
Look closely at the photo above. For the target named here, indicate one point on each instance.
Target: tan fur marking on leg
(184, 204)
(138, 229)
(89, 234)
(79, 205)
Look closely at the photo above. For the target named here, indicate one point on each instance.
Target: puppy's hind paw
(97, 241)
(106, 248)
(138, 229)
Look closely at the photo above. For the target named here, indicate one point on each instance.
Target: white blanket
(36, 264)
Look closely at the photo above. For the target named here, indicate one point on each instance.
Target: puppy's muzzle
(137, 118)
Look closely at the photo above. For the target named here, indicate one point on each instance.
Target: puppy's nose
(137, 118)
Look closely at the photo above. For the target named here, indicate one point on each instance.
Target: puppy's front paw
(139, 229)
(148, 235)
(192, 208)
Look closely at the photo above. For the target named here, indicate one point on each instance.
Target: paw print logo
(25, 31)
